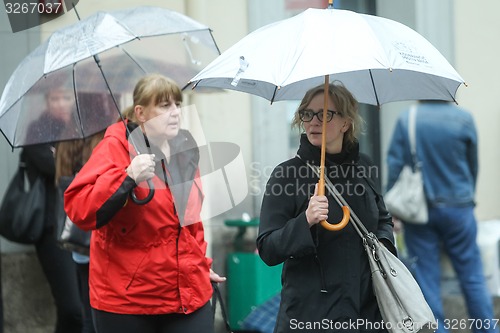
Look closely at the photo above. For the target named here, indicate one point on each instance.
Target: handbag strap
(216, 296)
(412, 134)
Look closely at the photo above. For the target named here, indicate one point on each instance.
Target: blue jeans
(454, 230)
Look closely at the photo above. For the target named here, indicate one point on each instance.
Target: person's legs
(423, 245)
(107, 322)
(83, 279)
(459, 230)
(201, 320)
(60, 272)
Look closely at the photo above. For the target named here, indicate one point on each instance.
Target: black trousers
(201, 321)
(60, 271)
(83, 280)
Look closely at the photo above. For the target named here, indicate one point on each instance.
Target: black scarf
(312, 154)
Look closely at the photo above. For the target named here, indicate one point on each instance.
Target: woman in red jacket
(148, 266)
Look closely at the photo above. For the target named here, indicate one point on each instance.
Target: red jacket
(141, 260)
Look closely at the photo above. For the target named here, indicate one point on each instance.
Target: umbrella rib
(5, 136)
(213, 39)
(113, 98)
(274, 94)
(133, 59)
(77, 102)
(374, 89)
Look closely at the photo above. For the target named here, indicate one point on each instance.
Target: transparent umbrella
(88, 69)
(102, 55)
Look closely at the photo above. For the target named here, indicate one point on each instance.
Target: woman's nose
(315, 120)
(176, 110)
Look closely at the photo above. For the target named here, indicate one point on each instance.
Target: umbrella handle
(345, 210)
(321, 184)
(146, 199)
(341, 225)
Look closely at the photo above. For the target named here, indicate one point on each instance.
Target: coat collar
(312, 154)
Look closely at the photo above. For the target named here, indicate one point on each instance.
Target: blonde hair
(345, 103)
(153, 89)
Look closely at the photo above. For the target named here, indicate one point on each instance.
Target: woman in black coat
(56, 263)
(326, 283)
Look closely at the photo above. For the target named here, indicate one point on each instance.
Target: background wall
(476, 29)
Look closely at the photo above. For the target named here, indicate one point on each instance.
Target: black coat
(326, 275)
(40, 162)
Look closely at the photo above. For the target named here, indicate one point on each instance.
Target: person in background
(148, 267)
(447, 149)
(70, 156)
(326, 275)
(56, 263)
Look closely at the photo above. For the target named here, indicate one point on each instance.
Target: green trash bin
(250, 282)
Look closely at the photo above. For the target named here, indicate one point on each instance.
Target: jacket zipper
(182, 308)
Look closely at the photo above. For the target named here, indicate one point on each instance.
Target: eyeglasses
(308, 115)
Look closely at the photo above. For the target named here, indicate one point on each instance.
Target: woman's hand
(142, 168)
(317, 210)
(214, 277)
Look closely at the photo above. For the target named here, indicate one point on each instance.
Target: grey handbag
(399, 297)
(406, 199)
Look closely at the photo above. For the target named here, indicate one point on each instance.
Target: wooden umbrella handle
(345, 210)
(339, 226)
(321, 183)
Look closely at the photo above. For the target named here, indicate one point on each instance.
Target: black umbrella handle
(146, 199)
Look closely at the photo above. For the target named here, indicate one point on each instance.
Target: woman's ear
(346, 126)
(139, 112)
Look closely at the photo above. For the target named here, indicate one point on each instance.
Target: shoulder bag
(23, 209)
(406, 199)
(69, 236)
(399, 297)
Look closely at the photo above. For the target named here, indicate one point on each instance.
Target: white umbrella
(377, 59)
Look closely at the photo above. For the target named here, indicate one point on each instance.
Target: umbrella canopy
(120, 70)
(377, 59)
(100, 59)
